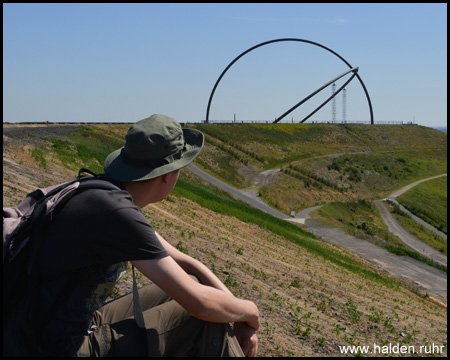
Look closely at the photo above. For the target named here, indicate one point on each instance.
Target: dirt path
(419, 220)
(415, 272)
(407, 187)
(413, 242)
(248, 196)
(394, 195)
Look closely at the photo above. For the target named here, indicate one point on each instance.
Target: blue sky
(124, 62)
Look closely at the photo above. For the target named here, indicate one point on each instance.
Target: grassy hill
(375, 159)
(339, 165)
(428, 201)
(313, 296)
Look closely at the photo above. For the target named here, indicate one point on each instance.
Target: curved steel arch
(279, 40)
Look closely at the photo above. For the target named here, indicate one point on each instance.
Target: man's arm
(202, 301)
(193, 266)
(245, 334)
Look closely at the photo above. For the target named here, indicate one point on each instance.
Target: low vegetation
(428, 201)
(88, 147)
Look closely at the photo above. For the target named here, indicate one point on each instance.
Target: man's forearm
(202, 301)
(204, 275)
(224, 305)
(227, 308)
(194, 267)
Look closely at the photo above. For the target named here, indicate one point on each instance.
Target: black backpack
(23, 229)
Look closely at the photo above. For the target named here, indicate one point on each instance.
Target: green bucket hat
(154, 146)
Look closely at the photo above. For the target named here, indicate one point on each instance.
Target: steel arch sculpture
(354, 70)
(355, 73)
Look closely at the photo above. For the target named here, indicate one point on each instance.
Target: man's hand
(247, 338)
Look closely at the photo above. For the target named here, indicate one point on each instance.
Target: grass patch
(94, 144)
(359, 218)
(376, 173)
(88, 147)
(415, 255)
(428, 201)
(38, 154)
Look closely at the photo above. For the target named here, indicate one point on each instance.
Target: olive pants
(170, 331)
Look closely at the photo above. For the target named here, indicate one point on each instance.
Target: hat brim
(118, 169)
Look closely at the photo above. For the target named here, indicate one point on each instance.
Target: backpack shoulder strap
(94, 181)
(84, 170)
(138, 314)
(102, 184)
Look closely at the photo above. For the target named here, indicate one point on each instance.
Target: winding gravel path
(419, 274)
(422, 276)
(413, 242)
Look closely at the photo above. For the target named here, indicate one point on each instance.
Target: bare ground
(308, 306)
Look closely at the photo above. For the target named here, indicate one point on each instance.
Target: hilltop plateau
(313, 296)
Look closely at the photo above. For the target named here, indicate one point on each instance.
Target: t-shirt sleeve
(128, 236)
(124, 234)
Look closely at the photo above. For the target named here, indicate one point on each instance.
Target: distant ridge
(440, 128)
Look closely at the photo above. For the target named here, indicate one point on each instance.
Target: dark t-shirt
(85, 251)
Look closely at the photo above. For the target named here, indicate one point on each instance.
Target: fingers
(250, 348)
(247, 339)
